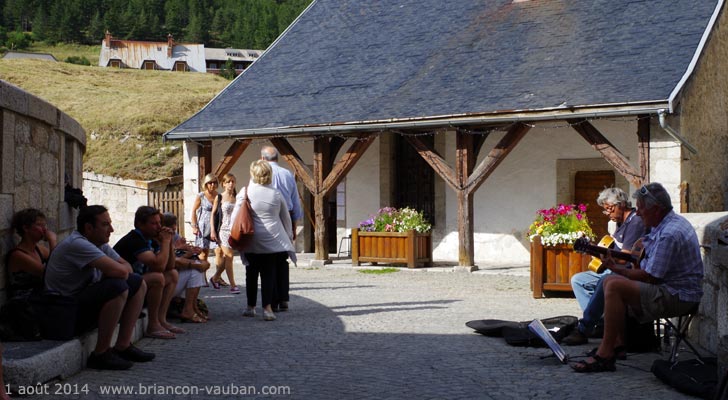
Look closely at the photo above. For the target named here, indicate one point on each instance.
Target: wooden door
(414, 179)
(587, 185)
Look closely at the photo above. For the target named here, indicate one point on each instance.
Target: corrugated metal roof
(353, 62)
(133, 54)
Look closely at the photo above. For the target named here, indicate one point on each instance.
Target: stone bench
(30, 363)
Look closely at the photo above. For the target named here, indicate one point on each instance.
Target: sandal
(195, 319)
(215, 285)
(176, 329)
(599, 365)
(221, 282)
(163, 334)
(620, 352)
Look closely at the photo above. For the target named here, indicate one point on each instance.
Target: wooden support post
(465, 179)
(325, 176)
(464, 161)
(643, 152)
(204, 156)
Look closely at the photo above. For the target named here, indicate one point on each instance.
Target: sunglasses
(646, 192)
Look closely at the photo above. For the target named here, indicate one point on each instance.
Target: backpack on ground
(689, 376)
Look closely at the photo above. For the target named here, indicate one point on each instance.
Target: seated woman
(191, 273)
(26, 262)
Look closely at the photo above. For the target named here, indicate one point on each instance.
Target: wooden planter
(553, 266)
(409, 248)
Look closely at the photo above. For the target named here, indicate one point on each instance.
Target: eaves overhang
(432, 122)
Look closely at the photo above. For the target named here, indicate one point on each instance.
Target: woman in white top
(272, 239)
(225, 260)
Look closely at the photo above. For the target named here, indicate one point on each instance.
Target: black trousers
(282, 280)
(263, 265)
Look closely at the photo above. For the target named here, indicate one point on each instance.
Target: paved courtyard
(351, 335)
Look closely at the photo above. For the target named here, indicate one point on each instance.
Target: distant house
(171, 56)
(241, 58)
(14, 55)
(168, 56)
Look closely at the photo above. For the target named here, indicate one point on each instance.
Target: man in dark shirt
(148, 248)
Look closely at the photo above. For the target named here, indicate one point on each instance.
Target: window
(341, 204)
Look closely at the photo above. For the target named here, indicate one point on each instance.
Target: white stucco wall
(504, 205)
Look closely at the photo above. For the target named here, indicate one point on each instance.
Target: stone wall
(710, 326)
(42, 149)
(704, 123)
(123, 196)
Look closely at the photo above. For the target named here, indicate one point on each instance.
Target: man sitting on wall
(667, 284)
(148, 248)
(84, 266)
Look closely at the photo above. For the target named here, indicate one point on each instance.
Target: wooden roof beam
(610, 153)
(231, 156)
(348, 160)
(497, 155)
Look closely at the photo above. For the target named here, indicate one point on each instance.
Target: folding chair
(345, 240)
(679, 332)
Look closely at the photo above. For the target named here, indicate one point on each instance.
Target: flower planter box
(409, 248)
(553, 266)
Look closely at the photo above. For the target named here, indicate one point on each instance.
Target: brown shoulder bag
(242, 230)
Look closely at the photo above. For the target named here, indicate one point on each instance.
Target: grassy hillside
(124, 112)
(61, 51)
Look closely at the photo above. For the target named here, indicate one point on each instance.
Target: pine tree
(228, 70)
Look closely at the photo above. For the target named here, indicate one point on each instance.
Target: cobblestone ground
(351, 335)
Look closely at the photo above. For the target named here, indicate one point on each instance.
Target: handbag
(218, 220)
(56, 315)
(242, 230)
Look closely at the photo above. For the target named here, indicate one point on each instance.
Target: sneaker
(108, 360)
(133, 353)
(575, 338)
(283, 306)
(235, 290)
(268, 316)
(249, 312)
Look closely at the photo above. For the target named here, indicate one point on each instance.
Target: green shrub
(17, 40)
(82, 60)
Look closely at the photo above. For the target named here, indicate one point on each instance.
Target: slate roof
(14, 55)
(359, 62)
